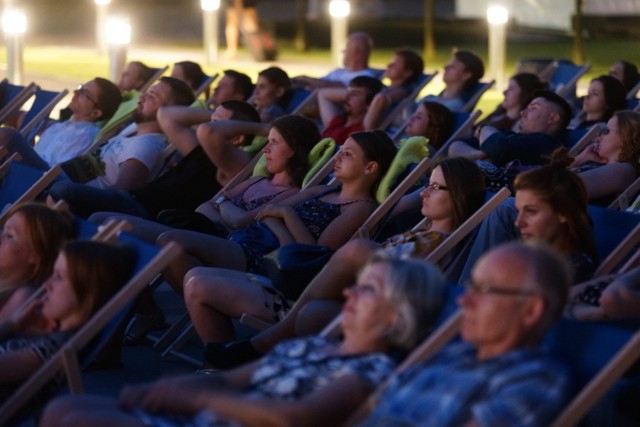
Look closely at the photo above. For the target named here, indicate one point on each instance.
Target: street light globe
(210, 5)
(339, 8)
(14, 22)
(118, 30)
(497, 15)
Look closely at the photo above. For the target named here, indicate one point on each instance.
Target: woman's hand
(589, 154)
(167, 395)
(274, 211)
(28, 319)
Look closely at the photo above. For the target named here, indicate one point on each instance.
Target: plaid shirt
(522, 387)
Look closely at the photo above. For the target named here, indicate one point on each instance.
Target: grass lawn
(79, 64)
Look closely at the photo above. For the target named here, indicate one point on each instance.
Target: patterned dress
(292, 371)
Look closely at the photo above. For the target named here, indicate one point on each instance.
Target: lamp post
(497, 17)
(101, 17)
(118, 36)
(14, 25)
(210, 29)
(339, 11)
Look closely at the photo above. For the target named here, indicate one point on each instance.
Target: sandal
(140, 326)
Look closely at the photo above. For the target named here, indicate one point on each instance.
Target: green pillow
(319, 156)
(412, 150)
(256, 145)
(125, 110)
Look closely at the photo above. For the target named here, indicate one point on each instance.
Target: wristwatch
(220, 200)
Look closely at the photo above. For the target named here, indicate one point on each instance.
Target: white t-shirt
(147, 149)
(344, 76)
(65, 140)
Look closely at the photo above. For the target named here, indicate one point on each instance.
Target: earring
(366, 172)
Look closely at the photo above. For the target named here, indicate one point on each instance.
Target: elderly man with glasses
(92, 102)
(497, 375)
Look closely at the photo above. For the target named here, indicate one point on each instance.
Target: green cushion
(412, 150)
(256, 145)
(125, 110)
(319, 156)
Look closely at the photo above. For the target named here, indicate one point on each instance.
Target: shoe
(140, 326)
(230, 355)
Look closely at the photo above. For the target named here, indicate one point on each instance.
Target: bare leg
(143, 228)
(315, 315)
(340, 272)
(231, 28)
(200, 249)
(214, 296)
(77, 411)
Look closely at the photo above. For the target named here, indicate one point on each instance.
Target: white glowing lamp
(339, 8)
(497, 15)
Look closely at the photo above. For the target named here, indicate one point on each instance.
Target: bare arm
(177, 394)
(236, 217)
(607, 180)
(312, 83)
(177, 124)
(18, 366)
(330, 405)
(217, 139)
(408, 202)
(131, 174)
(380, 104)
(461, 149)
(330, 103)
(621, 299)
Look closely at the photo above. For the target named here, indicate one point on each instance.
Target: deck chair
(461, 128)
(205, 84)
(610, 228)
(21, 183)
(566, 75)
(401, 106)
(584, 138)
(158, 72)
(37, 116)
(476, 94)
(599, 354)
(622, 202)
(151, 260)
(14, 97)
(634, 90)
(299, 99)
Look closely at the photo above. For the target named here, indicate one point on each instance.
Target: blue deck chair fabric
(572, 136)
(298, 97)
(565, 72)
(145, 252)
(84, 229)
(38, 114)
(13, 97)
(19, 179)
(631, 104)
(610, 227)
(473, 96)
(585, 347)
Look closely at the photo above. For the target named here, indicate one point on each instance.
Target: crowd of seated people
(221, 274)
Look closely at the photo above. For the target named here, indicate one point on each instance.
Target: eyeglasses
(436, 187)
(475, 288)
(84, 92)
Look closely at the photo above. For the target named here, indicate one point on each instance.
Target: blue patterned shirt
(522, 387)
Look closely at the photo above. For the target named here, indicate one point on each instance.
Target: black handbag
(291, 267)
